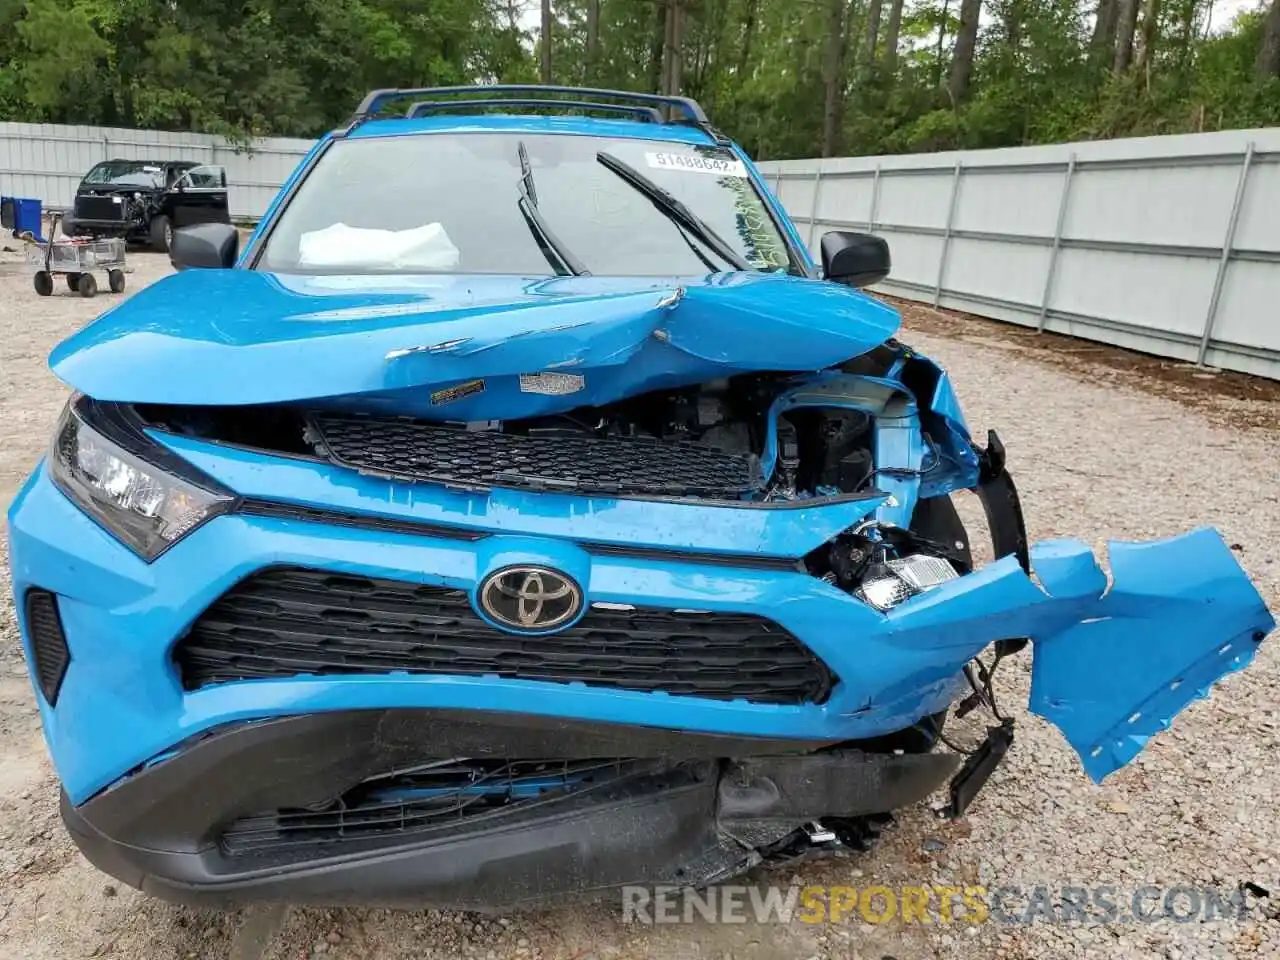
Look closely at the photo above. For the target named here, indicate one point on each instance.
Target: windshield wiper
(674, 210)
(562, 261)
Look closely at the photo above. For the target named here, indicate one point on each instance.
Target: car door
(199, 195)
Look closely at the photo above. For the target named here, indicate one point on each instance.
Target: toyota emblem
(530, 599)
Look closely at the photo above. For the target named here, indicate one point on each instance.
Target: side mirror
(854, 259)
(209, 245)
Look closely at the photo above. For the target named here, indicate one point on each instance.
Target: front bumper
(122, 702)
(98, 226)
(1112, 665)
(692, 823)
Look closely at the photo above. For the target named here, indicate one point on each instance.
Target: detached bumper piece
(1177, 616)
(1114, 659)
(374, 806)
(1003, 508)
(1001, 504)
(413, 450)
(977, 769)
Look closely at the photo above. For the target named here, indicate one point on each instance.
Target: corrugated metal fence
(1169, 245)
(47, 161)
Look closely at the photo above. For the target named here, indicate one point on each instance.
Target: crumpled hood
(244, 337)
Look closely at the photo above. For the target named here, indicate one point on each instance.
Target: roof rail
(688, 108)
(421, 108)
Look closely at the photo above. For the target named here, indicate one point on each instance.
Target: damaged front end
(511, 590)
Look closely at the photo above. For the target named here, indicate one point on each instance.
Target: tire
(68, 227)
(161, 233)
(116, 279)
(43, 282)
(73, 281)
(88, 285)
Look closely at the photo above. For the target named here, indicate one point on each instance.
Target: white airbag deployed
(423, 248)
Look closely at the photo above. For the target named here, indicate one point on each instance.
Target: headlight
(147, 507)
(887, 584)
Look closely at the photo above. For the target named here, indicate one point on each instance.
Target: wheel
(88, 285)
(68, 227)
(116, 279)
(73, 281)
(161, 233)
(43, 282)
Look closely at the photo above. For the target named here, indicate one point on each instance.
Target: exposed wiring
(979, 692)
(988, 677)
(907, 472)
(983, 694)
(983, 687)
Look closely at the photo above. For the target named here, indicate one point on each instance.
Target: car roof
(507, 123)
(152, 162)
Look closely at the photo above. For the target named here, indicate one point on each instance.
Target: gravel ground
(1103, 445)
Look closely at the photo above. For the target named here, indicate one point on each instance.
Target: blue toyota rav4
(523, 513)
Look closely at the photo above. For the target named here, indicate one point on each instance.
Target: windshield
(133, 173)
(451, 203)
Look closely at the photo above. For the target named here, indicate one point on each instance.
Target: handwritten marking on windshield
(683, 163)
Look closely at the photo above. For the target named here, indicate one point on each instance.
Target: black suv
(146, 200)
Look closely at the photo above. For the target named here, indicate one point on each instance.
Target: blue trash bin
(20, 214)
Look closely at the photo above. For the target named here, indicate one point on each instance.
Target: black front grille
(481, 459)
(287, 622)
(437, 795)
(100, 208)
(48, 642)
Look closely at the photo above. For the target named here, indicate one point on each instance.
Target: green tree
(784, 77)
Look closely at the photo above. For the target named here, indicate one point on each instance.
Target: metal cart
(76, 260)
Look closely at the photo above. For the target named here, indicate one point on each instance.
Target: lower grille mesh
(285, 622)
(438, 795)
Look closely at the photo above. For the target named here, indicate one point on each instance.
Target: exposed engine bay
(764, 439)
(819, 452)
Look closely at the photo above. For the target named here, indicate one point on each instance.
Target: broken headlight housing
(142, 494)
(888, 582)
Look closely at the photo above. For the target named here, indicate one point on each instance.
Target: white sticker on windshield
(692, 163)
